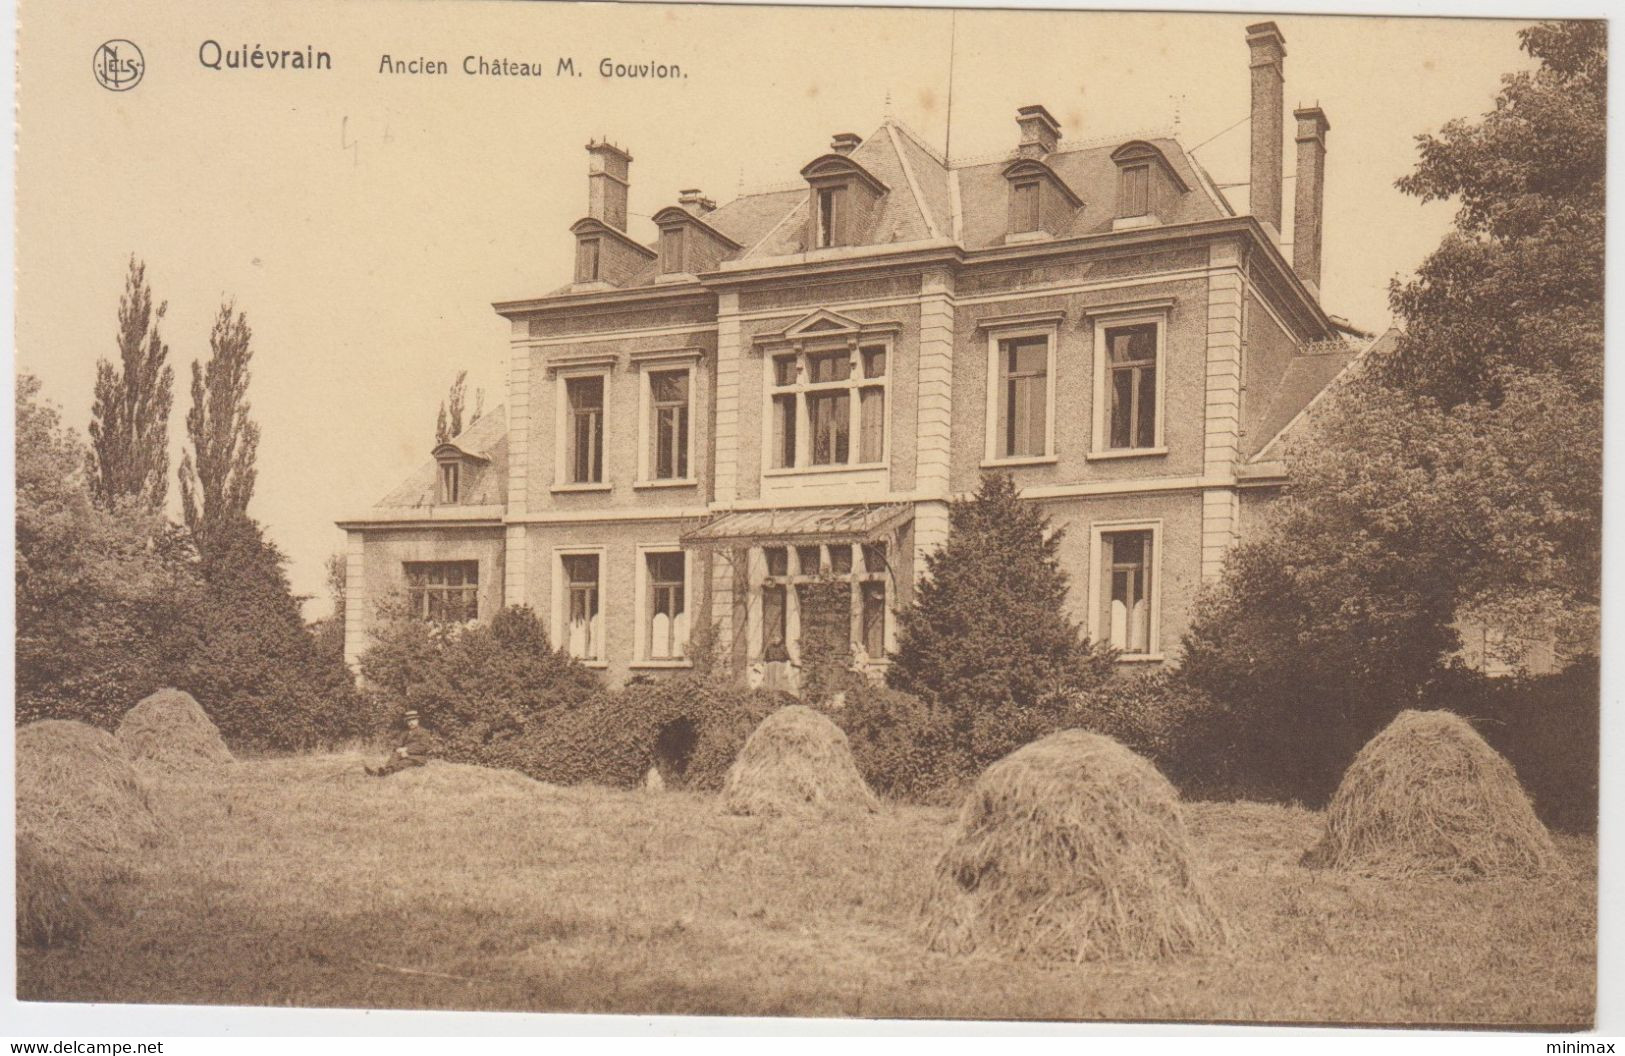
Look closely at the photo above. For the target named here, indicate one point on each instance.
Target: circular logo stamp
(118, 65)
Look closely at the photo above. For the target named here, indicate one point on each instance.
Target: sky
(366, 221)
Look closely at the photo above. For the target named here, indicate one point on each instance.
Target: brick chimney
(1309, 200)
(1039, 132)
(845, 142)
(607, 183)
(1268, 51)
(694, 201)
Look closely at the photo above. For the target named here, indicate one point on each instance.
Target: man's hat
(411, 714)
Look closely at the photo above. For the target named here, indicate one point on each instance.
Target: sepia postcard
(853, 513)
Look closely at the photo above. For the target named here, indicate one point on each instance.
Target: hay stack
(170, 732)
(1072, 847)
(1427, 797)
(82, 814)
(51, 911)
(796, 762)
(77, 794)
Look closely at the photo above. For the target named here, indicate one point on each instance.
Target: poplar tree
(128, 456)
(217, 474)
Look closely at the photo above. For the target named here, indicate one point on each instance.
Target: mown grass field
(302, 882)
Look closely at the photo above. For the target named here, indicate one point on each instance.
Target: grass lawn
(302, 882)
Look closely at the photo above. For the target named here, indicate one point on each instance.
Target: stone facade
(681, 447)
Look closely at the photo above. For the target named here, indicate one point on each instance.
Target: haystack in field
(1427, 797)
(796, 761)
(82, 816)
(78, 797)
(51, 911)
(169, 731)
(1072, 847)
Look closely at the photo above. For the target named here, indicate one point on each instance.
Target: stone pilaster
(725, 456)
(355, 599)
(1222, 411)
(516, 561)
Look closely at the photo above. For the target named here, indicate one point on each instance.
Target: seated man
(412, 751)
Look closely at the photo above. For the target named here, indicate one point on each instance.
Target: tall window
(1024, 207)
(831, 206)
(1023, 423)
(587, 260)
(451, 482)
(775, 605)
(788, 613)
(443, 591)
(829, 408)
(584, 436)
(671, 251)
(665, 607)
(668, 424)
(583, 620)
(1132, 385)
(1134, 191)
(1126, 619)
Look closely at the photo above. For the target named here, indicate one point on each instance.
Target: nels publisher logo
(118, 65)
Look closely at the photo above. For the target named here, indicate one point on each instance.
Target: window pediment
(673, 216)
(833, 167)
(1031, 168)
(1138, 150)
(590, 226)
(824, 324)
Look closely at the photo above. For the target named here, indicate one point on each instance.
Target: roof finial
(886, 112)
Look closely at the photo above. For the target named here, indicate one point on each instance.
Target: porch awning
(808, 524)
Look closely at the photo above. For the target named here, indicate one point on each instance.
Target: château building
(793, 385)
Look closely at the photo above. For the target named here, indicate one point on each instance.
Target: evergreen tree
(987, 638)
(129, 420)
(217, 474)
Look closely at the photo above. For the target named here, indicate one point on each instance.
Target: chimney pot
(695, 201)
(1267, 52)
(1309, 199)
(608, 171)
(1040, 132)
(845, 142)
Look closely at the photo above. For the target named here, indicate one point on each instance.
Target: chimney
(1039, 132)
(607, 172)
(694, 201)
(845, 142)
(1309, 200)
(1268, 50)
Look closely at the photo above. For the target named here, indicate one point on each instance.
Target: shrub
(688, 728)
(472, 686)
(254, 666)
(904, 746)
(987, 637)
(1546, 726)
(1160, 715)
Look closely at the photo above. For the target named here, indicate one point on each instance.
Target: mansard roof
(486, 441)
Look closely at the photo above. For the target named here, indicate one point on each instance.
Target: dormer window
(1148, 187)
(1040, 201)
(1024, 215)
(844, 199)
(587, 256)
(451, 481)
(1134, 191)
(831, 208)
(671, 251)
